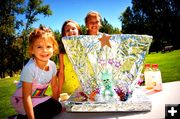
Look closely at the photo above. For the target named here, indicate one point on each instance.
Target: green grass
(169, 64)
(7, 87)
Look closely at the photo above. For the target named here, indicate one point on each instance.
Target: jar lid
(155, 65)
(147, 65)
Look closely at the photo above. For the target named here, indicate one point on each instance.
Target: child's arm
(54, 87)
(26, 92)
(61, 73)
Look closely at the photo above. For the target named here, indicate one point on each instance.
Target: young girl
(67, 76)
(93, 23)
(30, 100)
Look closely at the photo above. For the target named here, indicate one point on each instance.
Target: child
(30, 100)
(70, 28)
(93, 23)
(67, 76)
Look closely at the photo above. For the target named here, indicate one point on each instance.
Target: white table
(169, 95)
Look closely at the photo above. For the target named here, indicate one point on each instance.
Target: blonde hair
(92, 14)
(45, 33)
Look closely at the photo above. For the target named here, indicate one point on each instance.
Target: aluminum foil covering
(138, 102)
(107, 72)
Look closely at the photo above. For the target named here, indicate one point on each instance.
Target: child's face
(71, 29)
(93, 24)
(42, 49)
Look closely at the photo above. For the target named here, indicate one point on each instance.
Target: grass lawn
(7, 87)
(169, 64)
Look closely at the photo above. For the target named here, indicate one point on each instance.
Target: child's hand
(15, 82)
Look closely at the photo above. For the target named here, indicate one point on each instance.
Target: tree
(8, 23)
(13, 47)
(83, 29)
(108, 28)
(159, 18)
(127, 21)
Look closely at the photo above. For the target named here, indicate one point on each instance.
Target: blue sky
(77, 10)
